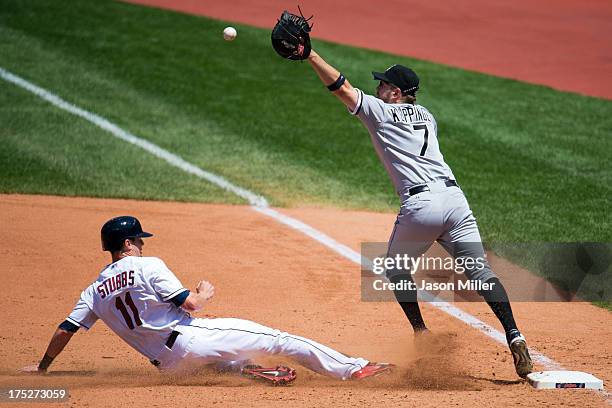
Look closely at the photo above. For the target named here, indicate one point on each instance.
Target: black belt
(424, 187)
(169, 343)
(172, 339)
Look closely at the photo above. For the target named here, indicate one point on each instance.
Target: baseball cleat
(520, 354)
(279, 375)
(372, 370)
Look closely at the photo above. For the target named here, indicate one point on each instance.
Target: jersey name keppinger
(410, 114)
(405, 137)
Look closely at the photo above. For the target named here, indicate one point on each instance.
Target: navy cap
(402, 77)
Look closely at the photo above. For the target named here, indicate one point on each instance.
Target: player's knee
(482, 273)
(398, 275)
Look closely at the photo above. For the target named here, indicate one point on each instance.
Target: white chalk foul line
(116, 131)
(259, 204)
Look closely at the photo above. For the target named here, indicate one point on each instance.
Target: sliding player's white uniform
(139, 299)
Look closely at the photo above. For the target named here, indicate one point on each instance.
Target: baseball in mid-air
(229, 34)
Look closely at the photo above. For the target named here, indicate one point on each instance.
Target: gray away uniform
(405, 139)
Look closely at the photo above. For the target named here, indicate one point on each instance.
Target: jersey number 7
(124, 312)
(423, 127)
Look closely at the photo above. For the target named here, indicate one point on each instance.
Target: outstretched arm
(59, 340)
(329, 75)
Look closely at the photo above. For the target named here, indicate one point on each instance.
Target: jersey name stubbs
(114, 283)
(409, 114)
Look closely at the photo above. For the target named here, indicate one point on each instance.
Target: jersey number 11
(124, 312)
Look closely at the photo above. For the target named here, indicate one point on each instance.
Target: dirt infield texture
(265, 272)
(563, 44)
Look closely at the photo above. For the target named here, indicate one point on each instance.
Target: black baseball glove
(291, 36)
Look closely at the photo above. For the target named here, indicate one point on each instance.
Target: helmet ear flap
(111, 245)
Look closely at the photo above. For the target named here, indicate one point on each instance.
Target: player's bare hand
(205, 289)
(32, 369)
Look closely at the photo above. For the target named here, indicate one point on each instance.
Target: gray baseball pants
(443, 215)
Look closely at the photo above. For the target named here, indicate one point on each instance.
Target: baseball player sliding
(145, 304)
(433, 206)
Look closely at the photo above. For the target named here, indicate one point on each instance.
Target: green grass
(46, 151)
(580, 269)
(533, 162)
(604, 305)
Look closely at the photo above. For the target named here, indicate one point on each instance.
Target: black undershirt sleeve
(69, 327)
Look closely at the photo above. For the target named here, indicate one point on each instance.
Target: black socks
(413, 313)
(497, 299)
(408, 301)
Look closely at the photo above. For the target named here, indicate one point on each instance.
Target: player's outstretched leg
(498, 301)
(496, 297)
(212, 340)
(462, 240)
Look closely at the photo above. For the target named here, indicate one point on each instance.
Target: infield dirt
(268, 273)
